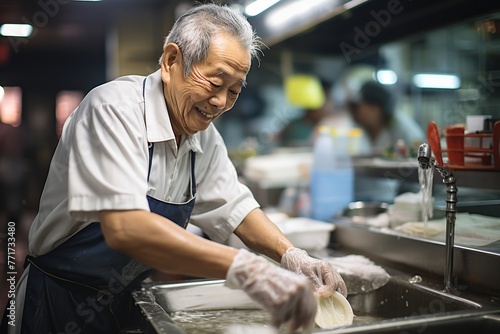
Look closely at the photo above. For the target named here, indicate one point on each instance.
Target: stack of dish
(407, 207)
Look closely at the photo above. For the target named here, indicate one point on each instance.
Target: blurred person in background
(383, 126)
(137, 161)
(300, 132)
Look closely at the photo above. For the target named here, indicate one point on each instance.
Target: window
(10, 105)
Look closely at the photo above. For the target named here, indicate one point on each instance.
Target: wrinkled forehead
(228, 57)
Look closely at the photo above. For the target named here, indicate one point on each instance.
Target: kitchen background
(77, 45)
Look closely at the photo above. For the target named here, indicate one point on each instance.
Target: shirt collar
(158, 124)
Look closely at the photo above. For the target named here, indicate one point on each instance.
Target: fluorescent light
(438, 81)
(259, 6)
(297, 11)
(387, 77)
(16, 30)
(353, 3)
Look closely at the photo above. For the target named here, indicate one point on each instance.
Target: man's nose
(219, 100)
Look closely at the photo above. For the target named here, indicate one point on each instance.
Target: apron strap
(151, 149)
(193, 178)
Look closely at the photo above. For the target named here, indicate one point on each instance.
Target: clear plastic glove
(288, 297)
(325, 279)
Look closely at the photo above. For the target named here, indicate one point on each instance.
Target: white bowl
(333, 311)
(307, 233)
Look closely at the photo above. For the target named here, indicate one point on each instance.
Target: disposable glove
(288, 297)
(323, 276)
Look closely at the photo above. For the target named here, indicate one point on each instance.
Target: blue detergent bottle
(332, 175)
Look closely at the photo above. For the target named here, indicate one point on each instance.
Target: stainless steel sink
(485, 324)
(204, 307)
(482, 322)
(400, 298)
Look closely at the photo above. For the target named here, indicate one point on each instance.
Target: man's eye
(233, 92)
(214, 85)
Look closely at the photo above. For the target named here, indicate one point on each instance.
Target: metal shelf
(406, 170)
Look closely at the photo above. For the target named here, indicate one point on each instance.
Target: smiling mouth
(205, 114)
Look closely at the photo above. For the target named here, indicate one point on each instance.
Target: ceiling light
(297, 11)
(437, 81)
(259, 6)
(16, 30)
(353, 3)
(387, 77)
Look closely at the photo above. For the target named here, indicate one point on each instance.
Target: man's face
(211, 88)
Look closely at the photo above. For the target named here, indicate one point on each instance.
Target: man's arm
(262, 236)
(165, 246)
(161, 244)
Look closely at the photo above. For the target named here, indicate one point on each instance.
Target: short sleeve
(108, 159)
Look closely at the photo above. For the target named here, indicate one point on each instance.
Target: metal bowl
(364, 209)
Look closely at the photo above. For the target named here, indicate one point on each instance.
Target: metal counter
(475, 269)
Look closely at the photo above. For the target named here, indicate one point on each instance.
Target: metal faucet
(425, 160)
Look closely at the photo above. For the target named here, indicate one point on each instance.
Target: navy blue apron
(85, 285)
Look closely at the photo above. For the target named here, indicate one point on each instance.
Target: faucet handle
(434, 141)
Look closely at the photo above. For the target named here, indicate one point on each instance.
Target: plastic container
(457, 155)
(455, 144)
(331, 177)
(304, 91)
(307, 233)
(303, 232)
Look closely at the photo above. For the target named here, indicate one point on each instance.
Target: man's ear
(171, 60)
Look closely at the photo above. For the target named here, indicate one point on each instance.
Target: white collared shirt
(101, 163)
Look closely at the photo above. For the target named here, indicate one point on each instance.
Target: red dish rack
(459, 152)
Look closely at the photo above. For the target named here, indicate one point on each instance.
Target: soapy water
(359, 273)
(216, 321)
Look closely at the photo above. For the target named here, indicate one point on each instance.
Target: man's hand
(326, 280)
(287, 296)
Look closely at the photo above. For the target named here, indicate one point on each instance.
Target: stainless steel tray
(201, 296)
(200, 307)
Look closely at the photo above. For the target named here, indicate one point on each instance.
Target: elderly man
(139, 159)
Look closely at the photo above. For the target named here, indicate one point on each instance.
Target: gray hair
(193, 32)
